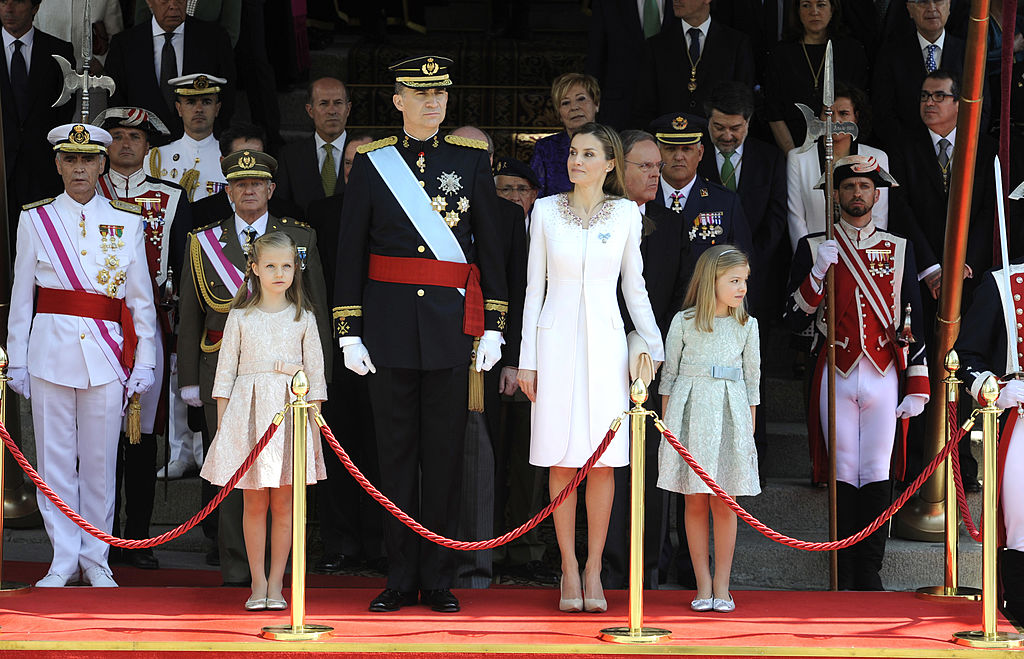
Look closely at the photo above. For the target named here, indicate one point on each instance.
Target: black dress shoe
(140, 558)
(392, 600)
(330, 563)
(441, 600)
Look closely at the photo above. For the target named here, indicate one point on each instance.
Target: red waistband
(431, 272)
(92, 305)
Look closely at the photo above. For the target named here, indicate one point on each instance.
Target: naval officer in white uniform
(89, 346)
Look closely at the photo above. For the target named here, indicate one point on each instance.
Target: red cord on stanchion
(771, 534)
(149, 542)
(463, 545)
(961, 497)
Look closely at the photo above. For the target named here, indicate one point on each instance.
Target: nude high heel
(594, 604)
(568, 604)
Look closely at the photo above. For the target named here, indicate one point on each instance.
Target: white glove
(190, 395)
(19, 380)
(828, 255)
(912, 405)
(488, 351)
(357, 359)
(140, 380)
(1011, 395)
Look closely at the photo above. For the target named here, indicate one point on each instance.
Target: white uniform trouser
(186, 446)
(865, 422)
(77, 426)
(1013, 488)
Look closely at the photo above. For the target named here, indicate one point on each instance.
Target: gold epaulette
(126, 206)
(465, 141)
(154, 162)
(202, 229)
(37, 204)
(294, 222)
(378, 144)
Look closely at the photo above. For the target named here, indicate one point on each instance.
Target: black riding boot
(846, 525)
(1012, 577)
(873, 499)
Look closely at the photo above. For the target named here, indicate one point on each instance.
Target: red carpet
(208, 622)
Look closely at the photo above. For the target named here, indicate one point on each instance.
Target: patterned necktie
(168, 69)
(929, 60)
(944, 162)
(728, 172)
(328, 174)
(250, 235)
(676, 206)
(694, 45)
(651, 19)
(19, 80)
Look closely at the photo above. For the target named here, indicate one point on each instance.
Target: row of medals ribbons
(707, 225)
(110, 241)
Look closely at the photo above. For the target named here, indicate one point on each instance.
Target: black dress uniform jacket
(407, 325)
(708, 197)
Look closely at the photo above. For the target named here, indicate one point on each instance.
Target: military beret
(518, 168)
(678, 128)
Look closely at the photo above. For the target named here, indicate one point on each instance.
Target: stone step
(786, 454)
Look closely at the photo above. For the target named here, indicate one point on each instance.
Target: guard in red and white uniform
(994, 315)
(89, 346)
(881, 373)
(164, 204)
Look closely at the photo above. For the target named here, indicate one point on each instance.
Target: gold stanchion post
(298, 630)
(636, 632)
(988, 636)
(950, 590)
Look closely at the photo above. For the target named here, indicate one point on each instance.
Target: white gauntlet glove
(828, 255)
(357, 359)
(1011, 395)
(488, 351)
(912, 405)
(19, 380)
(190, 395)
(140, 381)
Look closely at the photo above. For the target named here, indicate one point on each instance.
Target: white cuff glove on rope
(190, 395)
(828, 255)
(488, 351)
(141, 379)
(357, 359)
(1011, 395)
(19, 380)
(912, 405)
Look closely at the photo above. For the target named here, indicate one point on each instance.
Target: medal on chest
(707, 226)
(880, 262)
(112, 274)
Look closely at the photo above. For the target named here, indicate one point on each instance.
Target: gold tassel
(134, 420)
(476, 383)
(190, 181)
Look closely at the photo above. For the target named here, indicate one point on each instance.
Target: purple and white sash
(230, 275)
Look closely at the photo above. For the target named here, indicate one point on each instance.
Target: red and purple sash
(230, 275)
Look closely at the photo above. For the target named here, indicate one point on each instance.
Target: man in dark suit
(668, 266)
(902, 63)
(618, 29)
(311, 168)
(712, 214)
(756, 171)
(763, 21)
(923, 164)
(29, 84)
(682, 65)
(142, 60)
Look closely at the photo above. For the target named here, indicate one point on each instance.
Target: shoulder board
(125, 206)
(36, 204)
(202, 229)
(465, 141)
(379, 144)
(295, 223)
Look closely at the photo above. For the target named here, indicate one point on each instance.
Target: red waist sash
(430, 272)
(92, 305)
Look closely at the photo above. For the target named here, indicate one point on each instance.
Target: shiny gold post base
(301, 633)
(641, 635)
(944, 594)
(979, 639)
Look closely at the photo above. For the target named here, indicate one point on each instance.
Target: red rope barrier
(961, 497)
(463, 545)
(22, 461)
(771, 534)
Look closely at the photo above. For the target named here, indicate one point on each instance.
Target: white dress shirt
(321, 153)
(924, 43)
(26, 48)
(667, 191)
(935, 141)
(737, 163)
(703, 27)
(177, 41)
(241, 225)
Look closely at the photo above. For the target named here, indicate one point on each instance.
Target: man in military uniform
(89, 346)
(420, 273)
(984, 350)
(875, 287)
(193, 161)
(214, 266)
(712, 214)
(134, 131)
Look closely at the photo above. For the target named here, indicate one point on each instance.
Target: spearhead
(87, 35)
(828, 96)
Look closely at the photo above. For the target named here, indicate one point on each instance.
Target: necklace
(815, 76)
(691, 86)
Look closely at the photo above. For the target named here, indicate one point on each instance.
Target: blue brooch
(603, 237)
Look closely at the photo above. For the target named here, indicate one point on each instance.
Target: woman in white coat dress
(573, 358)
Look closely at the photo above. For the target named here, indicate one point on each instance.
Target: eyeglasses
(646, 167)
(938, 97)
(514, 190)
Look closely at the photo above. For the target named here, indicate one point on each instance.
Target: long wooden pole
(830, 347)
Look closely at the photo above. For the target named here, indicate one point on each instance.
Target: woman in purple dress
(576, 97)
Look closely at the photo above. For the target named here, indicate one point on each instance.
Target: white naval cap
(196, 84)
(79, 138)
